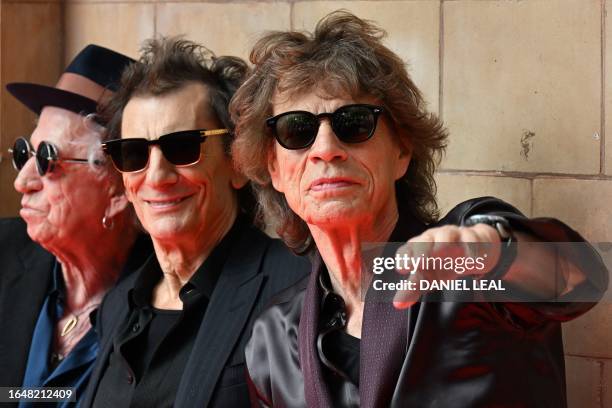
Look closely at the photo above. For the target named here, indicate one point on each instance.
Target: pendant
(70, 324)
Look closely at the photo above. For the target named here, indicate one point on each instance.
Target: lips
(163, 203)
(28, 212)
(29, 208)
(332, 183)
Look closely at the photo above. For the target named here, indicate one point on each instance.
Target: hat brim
(36, 97)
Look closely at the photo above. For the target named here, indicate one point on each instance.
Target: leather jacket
(436, 354)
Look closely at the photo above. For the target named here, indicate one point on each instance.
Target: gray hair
(89, 131)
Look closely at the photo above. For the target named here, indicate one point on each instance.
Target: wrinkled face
(62, 206)
(332, 183)
(173, 202)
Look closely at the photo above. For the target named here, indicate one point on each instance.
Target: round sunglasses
(179, 148)
(47, 156)
(354, 123)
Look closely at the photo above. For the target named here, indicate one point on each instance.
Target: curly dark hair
(168, 64)
(344, 56)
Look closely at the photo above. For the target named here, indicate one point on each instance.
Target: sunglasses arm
(82, 161)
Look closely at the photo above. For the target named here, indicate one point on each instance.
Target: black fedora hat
(88, 80)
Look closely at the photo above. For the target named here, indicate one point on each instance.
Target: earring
(107, 222)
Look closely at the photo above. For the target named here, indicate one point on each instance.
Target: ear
(274, 170)
(403, 161)
(238, 180)
(125, 191)
(118, 204)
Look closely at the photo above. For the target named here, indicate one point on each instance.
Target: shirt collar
(207, 275)
(57, 283)
(333, 309)
(149, 274)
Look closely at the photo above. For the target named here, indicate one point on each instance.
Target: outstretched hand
(447, 242)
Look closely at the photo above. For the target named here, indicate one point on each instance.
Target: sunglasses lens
(354, 124)
(296, 130)
(43, 154)
(21, 153)
(128, 155)
(181, 149)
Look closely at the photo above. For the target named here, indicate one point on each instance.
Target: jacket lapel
(383, 345)
(226, 316)
(384, 333)
(315, 390)
(100, 364)
(142, 249)
(384, 338)
(120, 313)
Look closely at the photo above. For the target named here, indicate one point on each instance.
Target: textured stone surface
(225, 28)
(608, 95)
(31, 52)
(606, 384)
(413, 33)
(522, 85)
(9, 205)
(591, 333)
(583, 379)
(583, 204)
(453, 189)
(119, 26)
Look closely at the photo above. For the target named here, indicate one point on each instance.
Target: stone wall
(523, 87)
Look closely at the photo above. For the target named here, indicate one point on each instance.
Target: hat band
(83, 86)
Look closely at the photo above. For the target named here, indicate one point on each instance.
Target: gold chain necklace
(74, 320)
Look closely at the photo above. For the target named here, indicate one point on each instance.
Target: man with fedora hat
(79, 233)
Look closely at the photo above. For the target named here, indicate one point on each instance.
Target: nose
(160, 171)
(327, 147)
(28, 180)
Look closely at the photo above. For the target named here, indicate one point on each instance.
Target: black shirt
(153, 346)
(338, 350)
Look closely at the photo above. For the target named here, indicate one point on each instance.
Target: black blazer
(25, 276)
(257, 268)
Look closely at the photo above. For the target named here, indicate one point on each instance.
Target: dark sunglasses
(351, 123)
(47, 156)
(179, 148)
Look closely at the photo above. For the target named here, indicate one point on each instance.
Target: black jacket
(257, 268)
(436, 354)
(25, 276)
